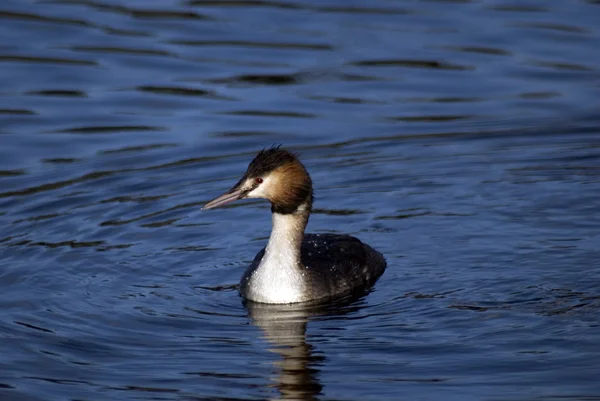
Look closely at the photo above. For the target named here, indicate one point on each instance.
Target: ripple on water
(458, 138)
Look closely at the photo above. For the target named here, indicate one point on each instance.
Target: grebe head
(274, 174)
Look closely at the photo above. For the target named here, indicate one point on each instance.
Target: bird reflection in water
(284, 326)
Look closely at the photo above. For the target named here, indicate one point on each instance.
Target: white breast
(279, 277)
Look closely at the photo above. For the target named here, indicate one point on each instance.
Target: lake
(459, 138)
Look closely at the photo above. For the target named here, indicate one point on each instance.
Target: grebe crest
(297, 267)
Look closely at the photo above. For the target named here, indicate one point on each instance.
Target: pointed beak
(233, 194)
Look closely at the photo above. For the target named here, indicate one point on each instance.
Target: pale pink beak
(228, 197)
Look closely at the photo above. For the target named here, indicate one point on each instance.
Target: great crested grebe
(297, 267)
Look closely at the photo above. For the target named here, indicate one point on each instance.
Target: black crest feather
(268, 160)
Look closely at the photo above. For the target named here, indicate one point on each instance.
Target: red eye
(258, 180)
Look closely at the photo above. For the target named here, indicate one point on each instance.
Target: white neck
(286, 238)
(279, 275)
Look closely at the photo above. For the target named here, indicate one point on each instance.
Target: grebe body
(294, 266)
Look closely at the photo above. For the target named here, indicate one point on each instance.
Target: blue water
(459, 138)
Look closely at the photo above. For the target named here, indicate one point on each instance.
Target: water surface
(459, 138)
